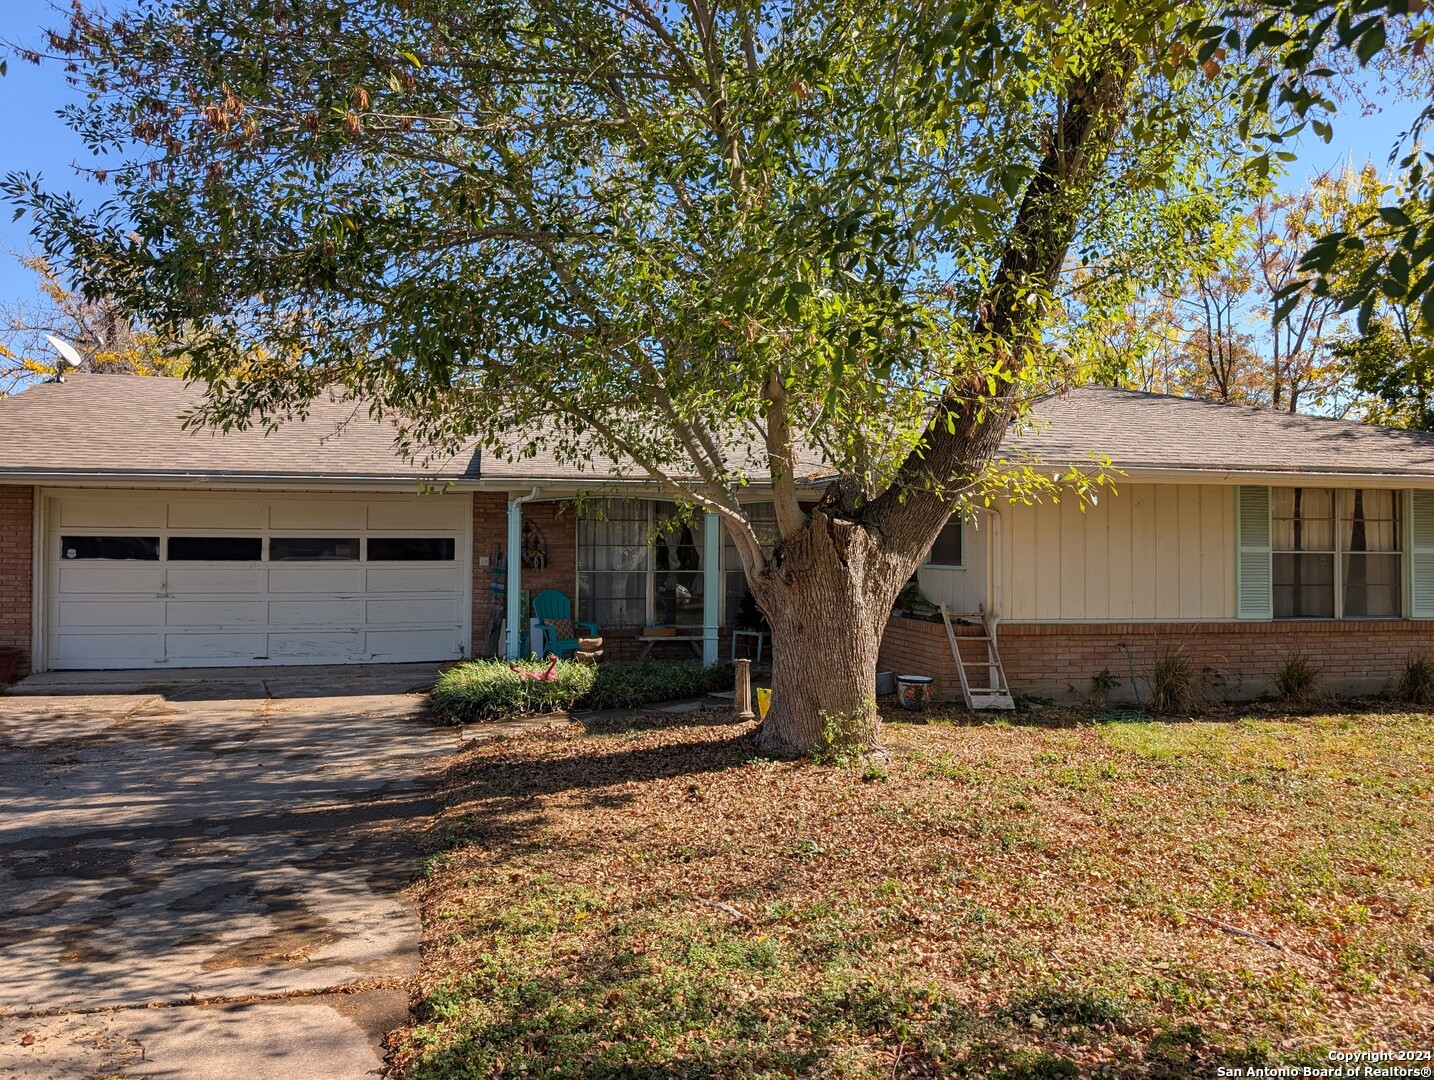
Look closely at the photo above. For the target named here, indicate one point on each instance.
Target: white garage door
(150, 579)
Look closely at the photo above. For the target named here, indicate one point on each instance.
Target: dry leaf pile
(1002, 900)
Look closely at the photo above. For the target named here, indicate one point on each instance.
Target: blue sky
(33, 139)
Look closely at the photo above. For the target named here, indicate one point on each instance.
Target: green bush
(490, 690)
(1299, 679)
(1416, 683)
(1172, 683)
(621, 686)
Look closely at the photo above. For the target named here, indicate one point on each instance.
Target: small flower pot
(914, 692)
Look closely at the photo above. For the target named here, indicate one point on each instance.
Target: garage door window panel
(131, 548)
(215, 549)
(411, 549)
(313, 549)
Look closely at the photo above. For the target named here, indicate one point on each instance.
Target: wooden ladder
(996, 694)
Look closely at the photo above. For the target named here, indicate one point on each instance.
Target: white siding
(1146, 552)
(963, 589)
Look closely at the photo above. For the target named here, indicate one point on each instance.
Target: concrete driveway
(201, 872)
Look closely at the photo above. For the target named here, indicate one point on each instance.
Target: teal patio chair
(554, 613)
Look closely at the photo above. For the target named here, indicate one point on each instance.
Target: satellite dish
(69, 355)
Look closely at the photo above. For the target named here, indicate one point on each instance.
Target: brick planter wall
(17, 510)
(1235, 660)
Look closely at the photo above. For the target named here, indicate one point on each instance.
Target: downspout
(994, 567)
(515, 570)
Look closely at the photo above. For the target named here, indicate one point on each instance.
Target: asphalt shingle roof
(1160, 432)
(128, 427)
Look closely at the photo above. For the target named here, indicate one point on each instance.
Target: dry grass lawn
(1001, 900)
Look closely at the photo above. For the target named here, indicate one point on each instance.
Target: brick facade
(558, 526)
(17, 512)
(1235, 660)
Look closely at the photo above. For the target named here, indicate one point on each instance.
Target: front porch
(657, 584)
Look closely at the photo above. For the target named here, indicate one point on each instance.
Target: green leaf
(1370, 42)
(1393, 215)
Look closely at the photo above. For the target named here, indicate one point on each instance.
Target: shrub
(845, 736)
(1299, 678)
(1416, 682)
(490, 690)
(1172, 683)
(621, 686)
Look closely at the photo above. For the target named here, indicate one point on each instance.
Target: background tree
(1302, 321)
(1310, 43)
(1393, 363)
(103, 332)
(658, 232)
(1232, 328)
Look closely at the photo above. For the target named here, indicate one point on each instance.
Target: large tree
(658, 231)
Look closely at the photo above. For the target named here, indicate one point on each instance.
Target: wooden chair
(554, 613)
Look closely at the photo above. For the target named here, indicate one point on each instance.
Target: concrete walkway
(202, 871)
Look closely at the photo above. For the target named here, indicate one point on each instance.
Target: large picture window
(1335, 554)
(613, 563)
(639, 562)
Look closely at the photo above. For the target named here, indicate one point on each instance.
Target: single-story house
(1239, 536)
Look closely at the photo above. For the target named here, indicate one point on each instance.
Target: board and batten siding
(1148, 552)
(963, 588)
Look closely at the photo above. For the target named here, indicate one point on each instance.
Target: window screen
(143, 548)
(313, 549)
(410, 549)
(215, 548)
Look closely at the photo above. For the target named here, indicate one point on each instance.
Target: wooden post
(742, 692)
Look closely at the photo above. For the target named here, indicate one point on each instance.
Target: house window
(740, 609)
(947, 550)
(215, 549)
(313, 549)
(410, 549)
(140, 548)
(614, 561)
(1371, 574)
(677, 580)
(639, 563)
(1335, 554)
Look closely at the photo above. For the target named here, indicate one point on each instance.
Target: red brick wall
(556, 521)
(17, 510)
(1235, 660)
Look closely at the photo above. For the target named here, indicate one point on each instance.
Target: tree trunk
(827, 594)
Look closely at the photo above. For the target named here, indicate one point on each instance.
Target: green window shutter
(1255, 598)
(1421, 554)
